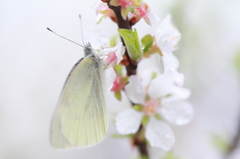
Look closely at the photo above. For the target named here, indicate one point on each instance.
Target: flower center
(150, 106)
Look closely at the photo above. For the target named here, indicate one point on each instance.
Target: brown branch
(124, 24)
(140, 142)
(131, 68)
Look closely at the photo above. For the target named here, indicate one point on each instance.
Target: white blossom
(164, 98)
(166, 37)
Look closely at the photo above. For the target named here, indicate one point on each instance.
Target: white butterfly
(81, 119)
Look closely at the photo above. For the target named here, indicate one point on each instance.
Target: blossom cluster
(156, 90)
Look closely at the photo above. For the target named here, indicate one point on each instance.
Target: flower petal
(153, 20)
(106, 51)
(118, 51)
(159, 134)
(96, 37)
(178, 93)
(169, 36)
(147, 67)
(178, 78)
(128, 121)
(110, 77)
(135, 91)
(170, 62)
(178, 112)
(156, 153)
(146, 77)
(160, 86)
(153, 63)
(181, 93)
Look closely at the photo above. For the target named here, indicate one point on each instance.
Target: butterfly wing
(80, 119)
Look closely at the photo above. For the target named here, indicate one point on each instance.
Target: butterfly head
(88, 50)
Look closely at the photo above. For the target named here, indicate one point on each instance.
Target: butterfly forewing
(80, 119)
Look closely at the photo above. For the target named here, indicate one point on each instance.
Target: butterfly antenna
(64, 37)
(81, 28)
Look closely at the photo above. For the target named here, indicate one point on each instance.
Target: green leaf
(99, 20)
(118, 70)
(114, 3)
(122, 136)
(221, 143)
(138, 107)
(154, 75)
(113, 40)
(147, 98)
(124, 80)
(147, 42)
(147, 142)
(145, 120)
(153, 50)
(145, 157)
(168, 95)
(138, 1)
(124, 12)
(117, 136)
(170, 155)
(237, 61)
(118, 95)
(132, 43)
(157, 116)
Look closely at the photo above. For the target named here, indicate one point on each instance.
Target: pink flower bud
(117, 85)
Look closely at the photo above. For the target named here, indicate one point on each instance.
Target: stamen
(150, 107)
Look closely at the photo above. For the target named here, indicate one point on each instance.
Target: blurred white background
(34, 64)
